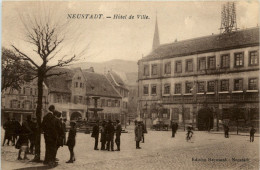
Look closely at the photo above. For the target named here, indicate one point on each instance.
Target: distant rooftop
(99, 85)
(211, 43)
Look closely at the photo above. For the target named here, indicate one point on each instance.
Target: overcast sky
(123, 39)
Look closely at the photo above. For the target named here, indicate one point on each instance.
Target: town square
(159, 151)
(130, 85)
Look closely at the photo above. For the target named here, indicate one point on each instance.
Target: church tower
(156, 39)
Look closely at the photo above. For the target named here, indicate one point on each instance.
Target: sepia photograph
(123, 85)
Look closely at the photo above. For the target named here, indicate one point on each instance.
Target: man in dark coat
(7, 128)
(138, 134)
(50, 136)
(252, 134)
(103, 136)
(226, 129)
(110, 130)
(60, 133)
(17, 129)
(144, 130)
(95, 134)
(72, 141)
(174, 128)
(64, 131)
(32, 128)
(12, 131)
(118, 134)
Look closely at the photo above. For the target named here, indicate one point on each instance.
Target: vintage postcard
(124, 85)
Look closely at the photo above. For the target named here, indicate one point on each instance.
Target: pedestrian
(50, 136)
(64, 131)
(103, 135)
(189, 133)
(12, 131)
(173, 129)
(17, 129)
(31, 126)
(226, 129)
(143, 130)
(176, 127)
(72, 141)
(95, 134)
(110, 130)
(60, 133)
(23, 141)
(118, 134)
(252, 134)
(138, 134)
(7, 128)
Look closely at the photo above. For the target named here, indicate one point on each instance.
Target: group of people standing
(21, 135)
(54, 130)
(107, 135)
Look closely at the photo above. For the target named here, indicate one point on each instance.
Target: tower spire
(156, 39)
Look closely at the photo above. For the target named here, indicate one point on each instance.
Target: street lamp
(146, 105)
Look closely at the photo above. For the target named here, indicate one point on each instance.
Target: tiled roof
(59, 83)
(99, 85)
(115, 79)
(238, 39)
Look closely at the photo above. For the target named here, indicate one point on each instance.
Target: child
(71, 141)
(22, 143)
(252, 134)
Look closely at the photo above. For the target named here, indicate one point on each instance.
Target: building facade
(78, 93)
(205, 81)
(121, 89)
(20, 103)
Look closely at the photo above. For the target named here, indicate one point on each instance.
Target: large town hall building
(204, 81)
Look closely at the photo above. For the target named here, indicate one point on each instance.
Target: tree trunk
(39, 117)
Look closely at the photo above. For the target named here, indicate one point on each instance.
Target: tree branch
(25, 56)
(62, 63)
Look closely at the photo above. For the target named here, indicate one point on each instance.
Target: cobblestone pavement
(159, 151)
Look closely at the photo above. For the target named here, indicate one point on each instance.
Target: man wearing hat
(118, 134)
(31, 128)
(110, 130)
(95, 134)
(50, 136)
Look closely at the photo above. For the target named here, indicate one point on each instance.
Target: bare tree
(46, 39)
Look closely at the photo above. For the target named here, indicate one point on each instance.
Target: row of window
(201, 86)
(206, 63)
(28, 91)
(252, 114)
(15, 104)
(100, 102)
(61, 98)
(78, 85)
